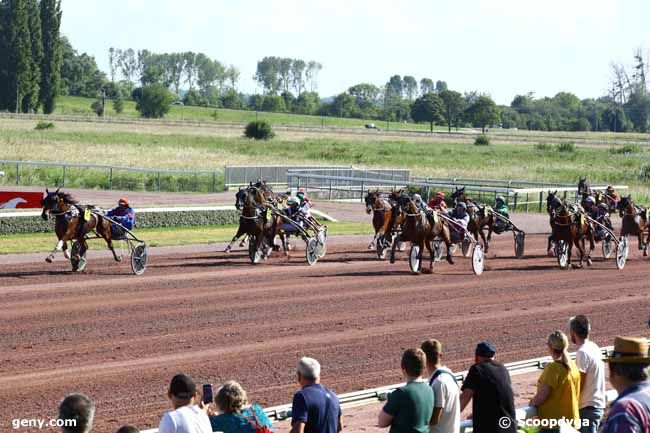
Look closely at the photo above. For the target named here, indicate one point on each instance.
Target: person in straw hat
(629, 374)
(558, 387)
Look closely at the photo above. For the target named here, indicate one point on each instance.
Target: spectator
(489, 388)
(237, 415)
(446, 405)
(409, 408)
(558, 387)
(79, 410)
(186, 417)
(128, 429)
(592, 374)
(315, 408)
(629, 374)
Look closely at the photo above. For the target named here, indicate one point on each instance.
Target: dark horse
(584, 190)
(71, 225)
(252, 221)
(421, 230)
(380, 209)
(240, 202)
(479, 218)
(569, 224)
(634, 221)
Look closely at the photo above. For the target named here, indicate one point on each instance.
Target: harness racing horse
(393, 225)
(380, 209)
(240, 201)
(252, 220)
(479, 217)
(570, 226)
(70, 226)
(634, 221)
(553, 204)
(420, 231)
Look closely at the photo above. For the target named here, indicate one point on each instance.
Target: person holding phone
(186, 417)
(237, 414)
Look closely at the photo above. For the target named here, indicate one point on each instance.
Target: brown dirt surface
(120, 338)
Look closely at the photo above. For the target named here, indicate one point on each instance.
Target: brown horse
(380, 209)
(393, 225)
(570, 226)
(479, 218)
(253, 219)
(70, 226)
(634, 221)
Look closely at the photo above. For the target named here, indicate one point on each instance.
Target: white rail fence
(374, 395)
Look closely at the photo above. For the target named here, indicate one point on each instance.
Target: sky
(499, 47)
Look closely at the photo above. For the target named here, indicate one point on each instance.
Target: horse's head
(553, 202)
(370, 199)
(583, 187)
(56, 202)
(625, 205)
(240, 198)
(458, 194)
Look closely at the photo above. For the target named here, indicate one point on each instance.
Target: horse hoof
(450, 260)
(589, 262)
(576, 266)
(49, 259)
(66, 254)
(427, 271)
(371, 247)
(550, 253)
(118, 259)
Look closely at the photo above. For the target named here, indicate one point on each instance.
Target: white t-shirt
(589, 361)
(185, 419)
(445, 395)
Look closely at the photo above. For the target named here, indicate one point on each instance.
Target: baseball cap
(485, 349)
(182, 386)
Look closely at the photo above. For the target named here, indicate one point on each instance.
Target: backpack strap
(438, 373)
(256, 425)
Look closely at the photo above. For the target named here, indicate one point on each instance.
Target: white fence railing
(374, 395)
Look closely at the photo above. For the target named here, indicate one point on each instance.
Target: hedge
(34, 224)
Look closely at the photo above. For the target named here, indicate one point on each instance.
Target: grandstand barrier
(374, 395)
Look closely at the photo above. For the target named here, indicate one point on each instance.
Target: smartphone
(207, 393)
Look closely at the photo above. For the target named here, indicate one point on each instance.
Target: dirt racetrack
(120, 338)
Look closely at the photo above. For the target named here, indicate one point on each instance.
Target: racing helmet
(301, 190)
(590, 200)
(293, 200)
(123, 201)
(610, 188)
(500, 198)
(417, 198)
(440, 194)
(603, 206)
(461, 205)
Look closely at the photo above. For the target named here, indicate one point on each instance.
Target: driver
(438, 201)
(590, 206)
(500, 207)
(296, 212)
(461, 217)
(122, 214)
(611, 197)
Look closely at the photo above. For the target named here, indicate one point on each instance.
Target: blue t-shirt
(235, 423)
(318, 408)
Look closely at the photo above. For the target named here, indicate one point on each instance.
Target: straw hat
(630, 350)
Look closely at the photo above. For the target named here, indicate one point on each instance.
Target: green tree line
(30, 55)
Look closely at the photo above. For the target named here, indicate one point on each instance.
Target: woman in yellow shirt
(558, 387)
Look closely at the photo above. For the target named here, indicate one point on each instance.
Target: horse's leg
(66, 253)
(242, 243)
(429, 243)
(240, 231)
(486, 243)
(109, 241)
(446, 237)
(57, 247)
(373, 242)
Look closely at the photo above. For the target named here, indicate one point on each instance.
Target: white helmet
(293, 200)
(590, 200)
(417, 198)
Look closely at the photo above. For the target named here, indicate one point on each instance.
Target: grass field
(187, 148)
(74, 105)
(44, 242)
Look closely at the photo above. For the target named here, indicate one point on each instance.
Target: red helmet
(440, 194)
(123, 201)
(302, 190)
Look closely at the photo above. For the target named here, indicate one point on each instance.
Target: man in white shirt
(446, 406)
(186, 417)
(592, 374)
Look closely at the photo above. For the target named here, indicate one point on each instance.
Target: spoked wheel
(453, 248)
(254, 253)
(381, 248)
(478, 259)
(562, 254)
(321, 237)
(622, 250)
(607, 247)
(139, 259)
(437, 250)
(414, 259)
(311, 253)
(76, 259)
(466, 246)
(520, 239)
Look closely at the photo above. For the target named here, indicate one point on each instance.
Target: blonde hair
(231, 397)
(559, 343)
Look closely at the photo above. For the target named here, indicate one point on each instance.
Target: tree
(113, 55)
(155, 101)
(289, 100)
(428, 108)
(284, 73)
(128, 64)
(232, 75)
(454, 105)
(274, 103)
(232, 100)
(483, 112)
(427, 86)
(366, 98)
(441, 86)
(297, 69)
(79, 73)
(31, 98)
(311, 74)
(118, 103)
(395, 87)
(410, 87)
(19, 65)
(266, 75)
(307, 103)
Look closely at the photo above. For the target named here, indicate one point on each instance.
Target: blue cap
(485, 349)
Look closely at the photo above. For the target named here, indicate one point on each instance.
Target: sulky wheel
(139, 259)
(562, 254)
(311, 252)
(466, 246)
(321, 237)
(478, 259)
(414, 259)
(622, 250)
(607, 247)
(520, 240)
(437, 250)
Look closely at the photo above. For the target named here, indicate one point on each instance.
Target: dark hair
(128, 429)
(414, 361)
(580, 325)
(432, 349)
(633, 372)
(79, 408)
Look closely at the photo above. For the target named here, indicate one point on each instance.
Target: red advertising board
(20, 200)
